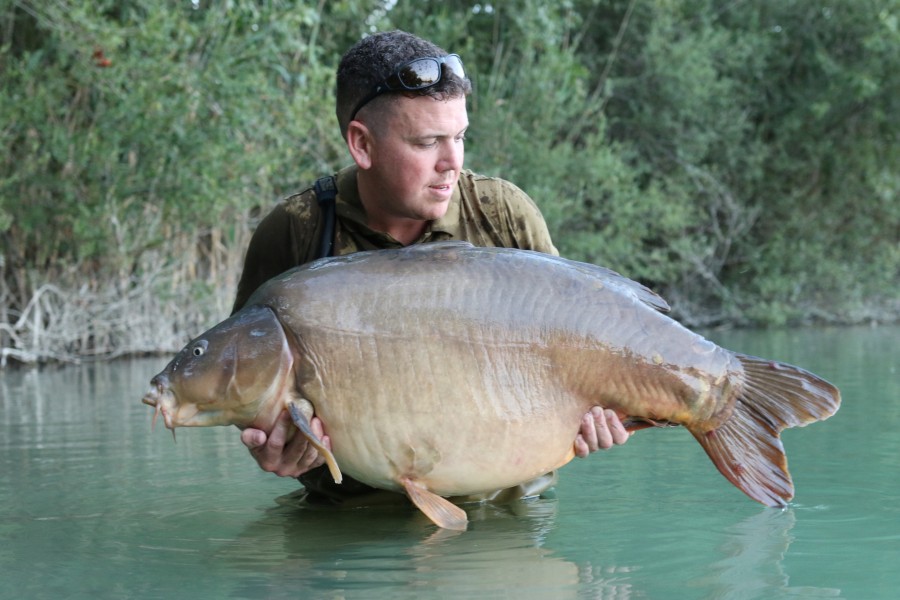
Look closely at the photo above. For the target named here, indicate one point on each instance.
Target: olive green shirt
(484, 211)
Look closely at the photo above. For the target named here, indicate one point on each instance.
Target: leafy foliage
(740, 157)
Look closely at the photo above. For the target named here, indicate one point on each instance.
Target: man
(401, 107)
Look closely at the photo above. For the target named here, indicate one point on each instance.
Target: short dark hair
(374, 58)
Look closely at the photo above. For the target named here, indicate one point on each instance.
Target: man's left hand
(600, 429)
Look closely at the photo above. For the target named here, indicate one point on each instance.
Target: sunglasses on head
(417, 74)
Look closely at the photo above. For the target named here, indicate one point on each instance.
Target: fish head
(233, 374)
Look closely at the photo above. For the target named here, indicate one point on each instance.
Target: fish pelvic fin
(747, 447)
(302, 424)
(441, 511)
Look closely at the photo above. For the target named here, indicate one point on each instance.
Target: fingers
(285, 451)
(253, 438)
(610, 431)
(582, 450)
(600, 429)
(619, 434)
(271, 456)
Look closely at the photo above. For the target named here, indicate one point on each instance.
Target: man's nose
(452, 156)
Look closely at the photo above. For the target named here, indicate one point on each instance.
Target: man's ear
(360, 142)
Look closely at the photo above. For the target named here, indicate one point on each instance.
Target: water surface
(95, 505)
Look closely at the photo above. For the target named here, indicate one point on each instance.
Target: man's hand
(284, 451)
(600, 429)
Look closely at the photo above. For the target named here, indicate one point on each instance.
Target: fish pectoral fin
(302, 424)
(441, 511)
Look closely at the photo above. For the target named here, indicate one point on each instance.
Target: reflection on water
(752, 564)
(95, 505)
(752, 555)
(394, 550)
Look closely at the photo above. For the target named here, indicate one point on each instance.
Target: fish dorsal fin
(302, 424)
(441, 511)
(624, 285)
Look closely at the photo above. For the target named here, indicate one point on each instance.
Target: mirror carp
(447, 370)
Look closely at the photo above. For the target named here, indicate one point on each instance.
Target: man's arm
(283, 239)
(269, 253)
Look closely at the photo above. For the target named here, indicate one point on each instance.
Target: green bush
(738, 157)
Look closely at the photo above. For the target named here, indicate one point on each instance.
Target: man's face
(416, 158)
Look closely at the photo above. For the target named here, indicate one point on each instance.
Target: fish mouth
(157, 399)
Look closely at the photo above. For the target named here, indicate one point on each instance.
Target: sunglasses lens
(454, 63)
(420, 73)
(426, 72)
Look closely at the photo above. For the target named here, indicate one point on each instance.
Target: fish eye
(199, 348)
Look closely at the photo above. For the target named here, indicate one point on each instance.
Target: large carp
(448, 370)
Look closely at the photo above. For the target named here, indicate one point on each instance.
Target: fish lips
(162, 400)
(174, 412)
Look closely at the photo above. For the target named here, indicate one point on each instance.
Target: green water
(95, 505)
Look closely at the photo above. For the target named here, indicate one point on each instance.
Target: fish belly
(460, 418)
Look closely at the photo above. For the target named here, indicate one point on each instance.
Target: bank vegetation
(738, 157)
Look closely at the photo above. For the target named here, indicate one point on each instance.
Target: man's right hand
(284, 450)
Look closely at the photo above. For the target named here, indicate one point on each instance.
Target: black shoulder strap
(326, 193)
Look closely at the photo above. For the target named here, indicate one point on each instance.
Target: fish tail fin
(746, 448)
